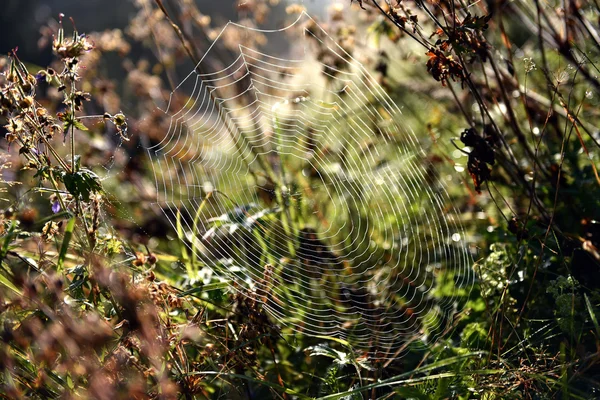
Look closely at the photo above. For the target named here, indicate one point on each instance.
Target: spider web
(305, 163)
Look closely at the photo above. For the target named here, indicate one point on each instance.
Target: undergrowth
(102, 299)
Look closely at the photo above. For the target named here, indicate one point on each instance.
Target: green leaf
(77, 124)
(72, 122)
(82, 183)
(43, 173)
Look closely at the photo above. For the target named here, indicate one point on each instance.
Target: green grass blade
(195, 233)
(6, 282)
(402, 378)
(191, 273)
(8, 239)
(400, 382)
(592, 314)
(65, 244)
(256, 381)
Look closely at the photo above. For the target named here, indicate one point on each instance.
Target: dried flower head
(74, 47)
(49, 230)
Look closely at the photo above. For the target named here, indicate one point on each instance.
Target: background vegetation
(100, 297)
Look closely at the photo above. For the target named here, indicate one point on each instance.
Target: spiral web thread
(312, 171)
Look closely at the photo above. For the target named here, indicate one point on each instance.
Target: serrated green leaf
(82, 183)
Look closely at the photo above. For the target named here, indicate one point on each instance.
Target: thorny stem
(55, 186)
(565, 47)
(460, 106)
(511, 114)
(418, 40)
(49, 146)
(193, 56)
(73, 166)
(519, 175)
(85, 224)
(484, 110)
(90, 117)
(565, 140)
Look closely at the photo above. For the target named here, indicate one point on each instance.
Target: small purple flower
(39, 77)
(56, 206)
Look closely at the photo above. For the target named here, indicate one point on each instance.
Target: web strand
(321, 178)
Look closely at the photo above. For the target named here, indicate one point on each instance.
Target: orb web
(303, 162)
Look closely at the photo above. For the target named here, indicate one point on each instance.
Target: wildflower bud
(174, 301)
(151, 277)
(119, 119)
(9, 213)
(26, 102)
(10, 137)
(79, 98)
(55, 203)
(49, 230)
(59, 283)
(140, 259)
(163, 287)
(7, 334)
(27, 87)
(152, 259)
(55, 128)
(6, 103)
(12, 77)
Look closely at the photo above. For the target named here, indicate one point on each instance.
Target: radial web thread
(312, 170)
